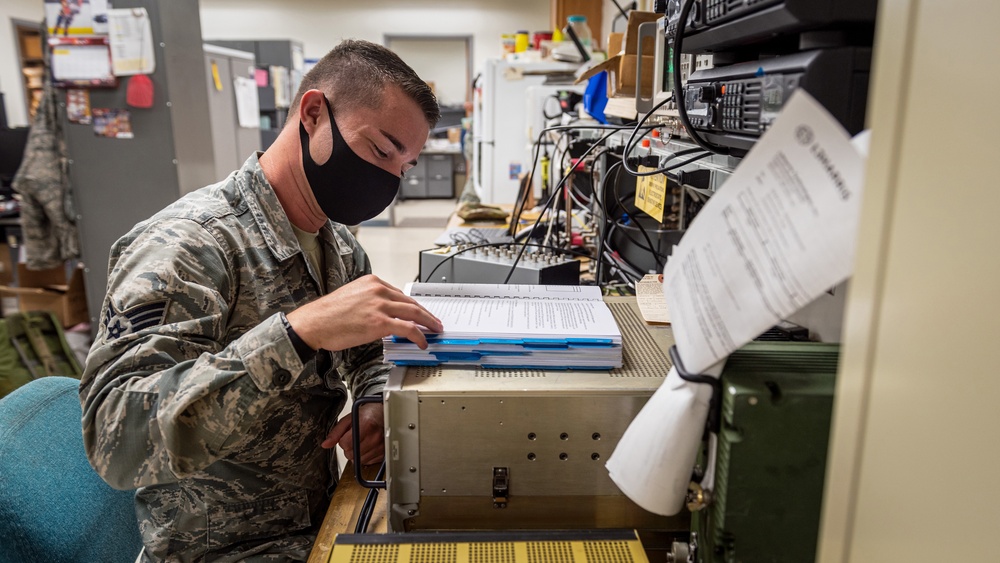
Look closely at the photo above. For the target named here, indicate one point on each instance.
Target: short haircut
(356, 74)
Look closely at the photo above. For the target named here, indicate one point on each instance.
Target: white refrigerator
(500, 133)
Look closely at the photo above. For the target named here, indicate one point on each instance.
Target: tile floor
(394, 251)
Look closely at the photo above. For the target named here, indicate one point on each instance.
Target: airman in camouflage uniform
(203, 388)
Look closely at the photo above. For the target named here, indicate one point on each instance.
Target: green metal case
(777, 400)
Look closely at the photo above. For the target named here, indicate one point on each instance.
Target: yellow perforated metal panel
(550, 552)
(608, 551)
(433, 553)
(491, 552)
(397, 550)
(371, 554)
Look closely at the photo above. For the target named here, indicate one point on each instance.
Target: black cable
(606, 217)
(545, 114)
(681, 105)
(368, 508)
(631, 138)
(518, 209)
(614, 227)
(664, 169)
(620, 226)
(620, 9)
(550, 202)
(649, 241)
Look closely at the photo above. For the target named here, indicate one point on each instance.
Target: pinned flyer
(131, 36)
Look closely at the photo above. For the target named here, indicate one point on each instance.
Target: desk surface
(342, 515)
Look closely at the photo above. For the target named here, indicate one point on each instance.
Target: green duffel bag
(33, 345)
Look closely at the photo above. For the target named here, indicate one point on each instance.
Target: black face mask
(348, 188)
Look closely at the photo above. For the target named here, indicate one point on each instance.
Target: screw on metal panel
(413, 469)
(411, 512)
(411, 426)
(752, 400)
(531, 457)
(596, 436)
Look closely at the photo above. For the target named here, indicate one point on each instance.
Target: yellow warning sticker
(215, 76)
(651, 193)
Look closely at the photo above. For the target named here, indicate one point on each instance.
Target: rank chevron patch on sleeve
(146, 315)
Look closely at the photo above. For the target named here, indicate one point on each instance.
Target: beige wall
(916, 442)
(321, 24)
(10, 69)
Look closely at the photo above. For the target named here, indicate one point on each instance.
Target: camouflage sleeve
(161, 393)
(363, 369)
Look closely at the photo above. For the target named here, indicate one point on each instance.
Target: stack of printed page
(513, 326)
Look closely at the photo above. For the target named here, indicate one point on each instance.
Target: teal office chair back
(53, 506)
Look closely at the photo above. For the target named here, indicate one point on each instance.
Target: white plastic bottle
(582, 30)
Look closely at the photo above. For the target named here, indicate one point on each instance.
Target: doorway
(28, 36)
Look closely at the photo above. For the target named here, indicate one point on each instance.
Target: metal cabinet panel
(439, 166)
(440, 188)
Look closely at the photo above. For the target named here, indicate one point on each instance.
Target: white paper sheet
(516, 310)
(131, 37)
(81, 62)
(652, 462)
(649, 297)
(780, 232)
(99, 16)
(247, 104)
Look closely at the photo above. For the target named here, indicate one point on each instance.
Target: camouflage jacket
(47, 216)
(193, 392)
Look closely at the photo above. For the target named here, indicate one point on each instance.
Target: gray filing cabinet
(272, 52)
(431, 177)
(233, 144)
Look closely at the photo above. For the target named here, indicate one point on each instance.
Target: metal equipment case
(776, 405)
(520, 449)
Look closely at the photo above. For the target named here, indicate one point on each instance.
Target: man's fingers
(337, 432)
(372, 457)
(414, 313)
(347, 443)
(409, 331)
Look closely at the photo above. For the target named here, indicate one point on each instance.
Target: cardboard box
(6, 265)
(31, 47)
(621, 67)
(631, 38)
(49, 290)
(622, 75)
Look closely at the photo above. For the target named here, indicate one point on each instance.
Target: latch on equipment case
(501, 487)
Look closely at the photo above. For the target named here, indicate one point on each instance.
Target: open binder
(513, 326)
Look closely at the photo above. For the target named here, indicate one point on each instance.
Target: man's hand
(360, 312)
(372, 430)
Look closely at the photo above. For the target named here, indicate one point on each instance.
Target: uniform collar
(266, 209)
